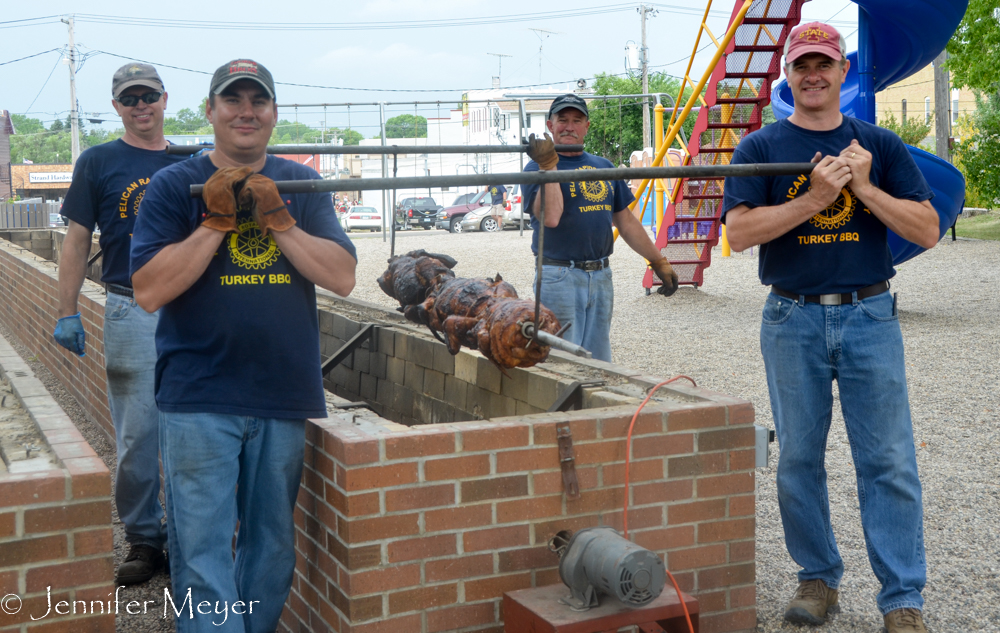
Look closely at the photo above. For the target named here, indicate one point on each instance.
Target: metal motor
(599, 561)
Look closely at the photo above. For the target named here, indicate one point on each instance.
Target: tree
(978, 154)
(188, 121)
(406, 126)
(616, 124)
(974, 49)
(913, 130)
(34, 143)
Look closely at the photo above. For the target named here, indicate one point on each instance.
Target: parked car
(363, 218)
(411, 212)
(451, 217)
(55, 219)
(480, 219)
(512, 215)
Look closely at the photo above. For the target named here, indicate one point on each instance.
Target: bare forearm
(553, 204)
(746, 227)
(634, 234)
(72, 267)
(321, 261)
(916, 222)
(175, 269)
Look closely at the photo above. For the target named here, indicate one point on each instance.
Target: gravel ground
(711, 334)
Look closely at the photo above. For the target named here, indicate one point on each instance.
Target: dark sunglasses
(130, 101)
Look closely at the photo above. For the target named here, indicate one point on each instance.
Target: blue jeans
(586, 299)
(221, 469)
(130, 359)
(806, 346)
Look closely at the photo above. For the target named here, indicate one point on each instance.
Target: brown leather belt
(588, 266)
(836, 299)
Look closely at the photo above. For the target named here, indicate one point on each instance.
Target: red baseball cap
(814, 37)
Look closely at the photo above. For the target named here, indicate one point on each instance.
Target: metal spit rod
(381, 149)
(693, 172)
(544, 338)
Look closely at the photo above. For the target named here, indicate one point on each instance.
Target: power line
(44, 84)
(348, 26)
(28, 57)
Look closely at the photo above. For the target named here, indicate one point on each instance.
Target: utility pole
(644, 61)
(942, 109)
(541, 40)
(73, 114)
(499, 57)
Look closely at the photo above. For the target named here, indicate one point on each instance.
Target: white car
(513, 215)
(362, 218)
(481, 220)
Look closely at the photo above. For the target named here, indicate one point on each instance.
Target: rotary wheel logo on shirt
(593, 190)
(837, 214)
(249, 249)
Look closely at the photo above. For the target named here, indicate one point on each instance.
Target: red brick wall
(55, 525)
(29, 309)
(422, 529)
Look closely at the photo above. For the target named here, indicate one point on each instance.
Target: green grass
(980, 227)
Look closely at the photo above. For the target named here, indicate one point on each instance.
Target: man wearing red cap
(830, 316)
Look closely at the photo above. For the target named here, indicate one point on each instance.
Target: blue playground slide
(902, 38)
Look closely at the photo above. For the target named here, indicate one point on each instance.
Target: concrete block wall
(423, 528)
(55, 525)
(29, 309)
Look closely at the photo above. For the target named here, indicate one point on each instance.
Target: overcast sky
(363, 63)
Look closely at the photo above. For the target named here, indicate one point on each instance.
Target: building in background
(914, 97)
(6, 130)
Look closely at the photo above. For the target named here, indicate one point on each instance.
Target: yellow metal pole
(658, 136)
(726, 251)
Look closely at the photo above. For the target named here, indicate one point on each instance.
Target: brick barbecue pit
(435, 484)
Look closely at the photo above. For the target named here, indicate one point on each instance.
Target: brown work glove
(220, 193)
(666, 273)
(268, 209)
(543, 152)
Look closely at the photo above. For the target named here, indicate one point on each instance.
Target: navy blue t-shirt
(244, 338)
(585, 232)
(843, 247)
(109, 181)
(496, 194)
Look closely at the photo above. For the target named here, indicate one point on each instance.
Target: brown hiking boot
(904, 621)
(811, 602)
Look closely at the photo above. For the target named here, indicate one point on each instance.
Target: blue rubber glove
(69, 333)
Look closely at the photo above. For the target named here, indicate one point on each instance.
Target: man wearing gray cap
(579, 238)
(109, 181)
(238, 368)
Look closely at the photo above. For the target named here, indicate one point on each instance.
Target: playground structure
(738, 86)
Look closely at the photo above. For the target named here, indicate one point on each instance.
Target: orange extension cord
(628, 453)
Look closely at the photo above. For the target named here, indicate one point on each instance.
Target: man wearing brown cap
(830, 317)
(109, 181)
(233, 274)
(580, 218)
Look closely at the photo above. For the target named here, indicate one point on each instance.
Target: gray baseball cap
(135, 74)
(569, 100)
(241, 69)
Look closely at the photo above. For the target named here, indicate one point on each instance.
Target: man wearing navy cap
(109, 181)
(830, 316)
(579, 235)
(234, 274)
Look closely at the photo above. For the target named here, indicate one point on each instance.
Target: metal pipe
(382, 149)
(544, 338)
(693, 172)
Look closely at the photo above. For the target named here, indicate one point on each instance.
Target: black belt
(121, 290)
(596, 264)
(836, 299)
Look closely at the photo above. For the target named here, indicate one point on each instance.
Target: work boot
(904, 621)
(140, 565)
(811, 602)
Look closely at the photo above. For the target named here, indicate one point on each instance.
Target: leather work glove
(69, 333)
(266, 204)
(543, 152)
(220, 194)
(666, 273)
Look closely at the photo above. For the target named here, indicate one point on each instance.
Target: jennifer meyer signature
(11, 604)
